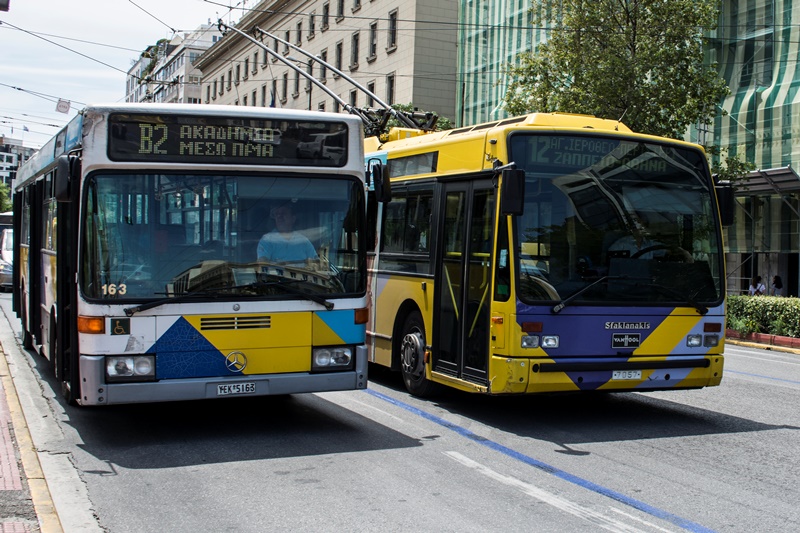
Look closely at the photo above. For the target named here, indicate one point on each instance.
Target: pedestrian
(776, 289)
(756, 287)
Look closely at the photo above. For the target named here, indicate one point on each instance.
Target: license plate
(626, 374)
(236, 388)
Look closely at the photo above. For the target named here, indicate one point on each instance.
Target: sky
(80, 51)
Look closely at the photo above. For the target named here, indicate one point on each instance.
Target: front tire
(412, 357)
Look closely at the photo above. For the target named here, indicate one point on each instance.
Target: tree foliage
(636, 60)
(5, 198)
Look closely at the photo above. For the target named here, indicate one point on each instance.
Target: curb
(49, 521)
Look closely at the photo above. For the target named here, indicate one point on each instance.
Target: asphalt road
(717, 459)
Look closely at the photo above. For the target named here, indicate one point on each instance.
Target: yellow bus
(547, 253)
(180, 252)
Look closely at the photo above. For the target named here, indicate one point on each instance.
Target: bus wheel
(412, 356)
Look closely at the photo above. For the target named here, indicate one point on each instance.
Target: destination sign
(218, 140)
(562, 153)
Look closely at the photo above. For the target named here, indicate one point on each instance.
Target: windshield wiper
(130, 311)
(286, 286)
(563, 303)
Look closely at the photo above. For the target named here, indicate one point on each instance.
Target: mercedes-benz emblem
(235, 361)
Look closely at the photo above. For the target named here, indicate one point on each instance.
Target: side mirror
(512, 192)
(378, 177)
(726, 201)
(66, 172)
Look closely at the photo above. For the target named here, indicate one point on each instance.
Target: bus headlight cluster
(130, 368)
(697, 340)
(331, 358)
(545, 341)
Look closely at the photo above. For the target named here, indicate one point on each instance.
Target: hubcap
(411, 352)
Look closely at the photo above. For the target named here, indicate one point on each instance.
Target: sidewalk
(25, 502)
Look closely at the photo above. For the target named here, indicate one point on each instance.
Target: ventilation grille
(236, 322)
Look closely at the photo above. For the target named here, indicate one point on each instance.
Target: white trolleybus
(176, 252)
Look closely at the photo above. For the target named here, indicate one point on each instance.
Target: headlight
(530, 341)
(550, 341)
(694, 341)
(709, 341)
(331, 358)
(130, 368)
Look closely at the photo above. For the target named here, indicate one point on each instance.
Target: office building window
(371, 89)
(339, 10)
(311, 25)
(354, 51)
(337, 60)
(354, 97)
(326, 16)
(391, 43)
(299, 39)
(323, 70)
(390, 88)
(372, 52)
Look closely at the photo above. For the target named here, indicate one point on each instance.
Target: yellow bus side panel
(392, 292)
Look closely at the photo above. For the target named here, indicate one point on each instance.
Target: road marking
(572, 508)
(768, 378)
(632, 517)
(561, 474)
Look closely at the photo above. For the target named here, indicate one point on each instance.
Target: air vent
(236, 322)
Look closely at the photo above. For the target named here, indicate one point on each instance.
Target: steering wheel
(649, 249)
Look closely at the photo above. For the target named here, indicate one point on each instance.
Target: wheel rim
(411, 354)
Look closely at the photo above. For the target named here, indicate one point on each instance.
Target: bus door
(463, 273)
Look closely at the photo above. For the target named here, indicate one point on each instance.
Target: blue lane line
(586, 484)
(794, 382)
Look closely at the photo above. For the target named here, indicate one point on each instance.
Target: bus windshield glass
(610, 221)
(150, 236)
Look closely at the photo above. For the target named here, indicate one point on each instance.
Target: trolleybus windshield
(612, 221)
(150, 236)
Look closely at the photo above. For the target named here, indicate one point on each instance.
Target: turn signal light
(92, 324)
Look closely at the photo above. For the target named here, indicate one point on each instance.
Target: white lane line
(572, 508)
(632, 517)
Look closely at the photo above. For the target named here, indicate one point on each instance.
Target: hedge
(764, 314)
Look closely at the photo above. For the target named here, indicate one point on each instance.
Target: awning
(778, 181)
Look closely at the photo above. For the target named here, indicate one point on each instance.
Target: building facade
(491, 34)
(12, 155)
(757, 48)
(166, 72)
(402, 51)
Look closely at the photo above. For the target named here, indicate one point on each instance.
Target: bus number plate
(236, 388)
(626, 374)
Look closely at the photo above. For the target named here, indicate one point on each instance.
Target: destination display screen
(226, 140)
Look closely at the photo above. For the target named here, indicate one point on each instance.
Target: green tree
(5, 198)
(636, 60)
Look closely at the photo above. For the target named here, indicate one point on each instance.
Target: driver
(283, 244)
